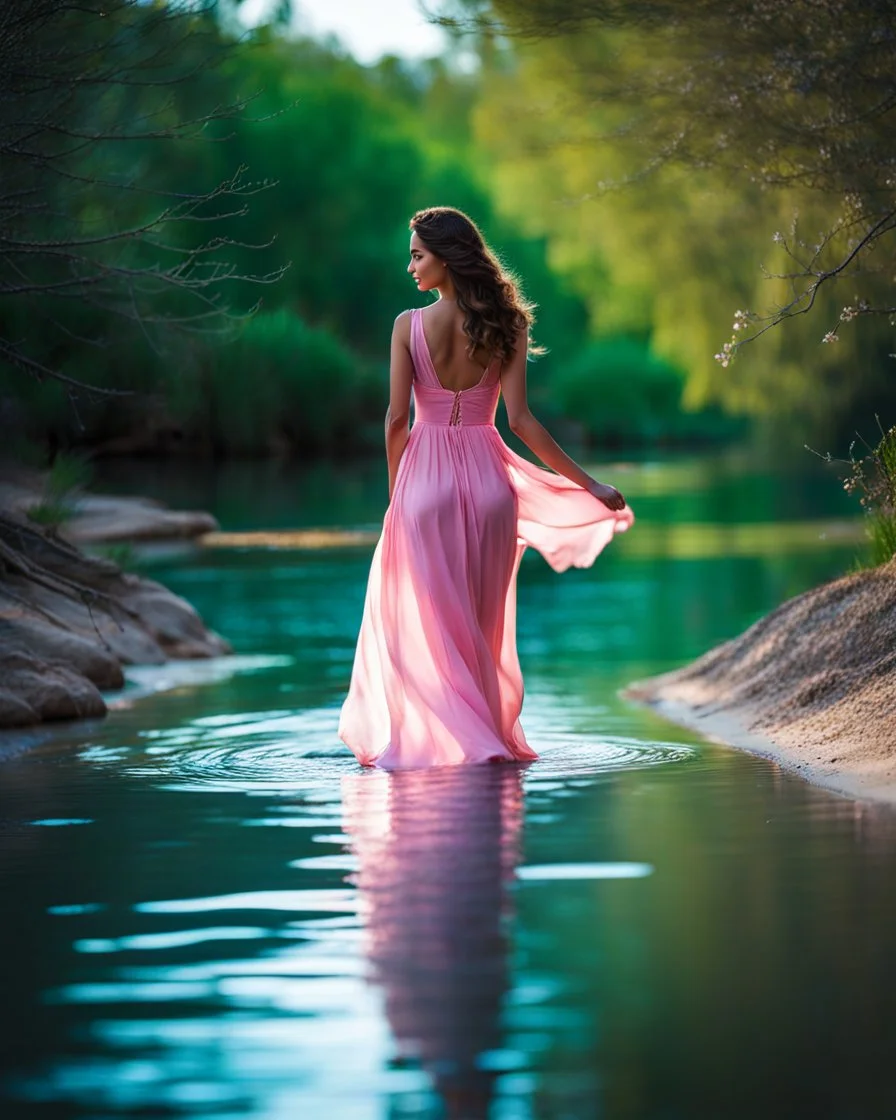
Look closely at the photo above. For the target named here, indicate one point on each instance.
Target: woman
(436, 680)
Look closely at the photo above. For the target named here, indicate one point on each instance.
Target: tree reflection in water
(437, 852)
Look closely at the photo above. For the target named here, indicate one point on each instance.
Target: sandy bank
(812, 685)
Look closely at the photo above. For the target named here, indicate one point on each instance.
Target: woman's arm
(537, 438)
(398, 414)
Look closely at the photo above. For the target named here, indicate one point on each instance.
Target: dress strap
(424, 371)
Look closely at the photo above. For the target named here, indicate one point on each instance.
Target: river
(211, 911)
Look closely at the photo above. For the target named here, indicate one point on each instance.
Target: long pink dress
(436, 679)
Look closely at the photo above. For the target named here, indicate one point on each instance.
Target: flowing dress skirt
(436, 679)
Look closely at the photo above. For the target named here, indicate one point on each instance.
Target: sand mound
(815, 680)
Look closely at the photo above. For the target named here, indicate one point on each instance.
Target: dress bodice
(434, 404)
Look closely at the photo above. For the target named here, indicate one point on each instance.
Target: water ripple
(278, 751)
(604, 755)
(282, 751)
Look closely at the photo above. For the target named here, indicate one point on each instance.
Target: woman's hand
(609, 495)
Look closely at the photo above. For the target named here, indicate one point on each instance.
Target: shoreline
(734, 728)
(811, 686)
(71, 621)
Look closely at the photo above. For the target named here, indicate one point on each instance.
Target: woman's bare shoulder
(401, 328)
(520, 351)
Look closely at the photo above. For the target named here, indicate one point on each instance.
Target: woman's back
(443, 326)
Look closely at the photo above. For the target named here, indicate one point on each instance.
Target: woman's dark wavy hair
(493, 307)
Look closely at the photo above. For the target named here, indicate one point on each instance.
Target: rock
(105, 517)
(15, 711)
(24, 630)
(172, 622)
(124, 636)
(34, 690)
(69, 621)
(100, 518)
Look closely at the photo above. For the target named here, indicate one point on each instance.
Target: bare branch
(805, 299)
(67, 69)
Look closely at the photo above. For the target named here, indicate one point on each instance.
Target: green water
(211, 911)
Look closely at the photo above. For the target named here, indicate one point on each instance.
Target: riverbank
(101, 518)
(812, 686)
(70, 622)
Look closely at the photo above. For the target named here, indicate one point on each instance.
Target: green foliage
(353, 151)
(94, 243)
(121, 553)
(69, 475)
(619, 392)
(873, 479)
(673, 253)
(282, 384)
(49, 513)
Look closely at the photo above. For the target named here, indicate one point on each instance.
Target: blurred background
(231, 191)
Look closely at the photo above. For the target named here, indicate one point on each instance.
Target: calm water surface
(211, 911)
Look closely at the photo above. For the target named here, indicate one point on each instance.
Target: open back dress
(436, 679)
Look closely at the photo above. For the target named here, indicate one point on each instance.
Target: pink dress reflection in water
(436, 857)
(436, 679)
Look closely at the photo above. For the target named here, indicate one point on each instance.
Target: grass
(66, 479)
(121, 553)
(873, 479)
(882, 519)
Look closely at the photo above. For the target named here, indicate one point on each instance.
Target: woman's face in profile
(424, 266)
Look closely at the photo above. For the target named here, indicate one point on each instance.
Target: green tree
(92, 248)
(720, 122)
